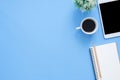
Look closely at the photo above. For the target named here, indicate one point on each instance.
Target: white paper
(108, 59)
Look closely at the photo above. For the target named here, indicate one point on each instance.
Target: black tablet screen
(110, 13)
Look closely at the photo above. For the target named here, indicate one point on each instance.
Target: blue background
(38, 41)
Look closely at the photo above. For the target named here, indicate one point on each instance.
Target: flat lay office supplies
(88, 25)
(110, 15)
(38, 40)
(106, 61)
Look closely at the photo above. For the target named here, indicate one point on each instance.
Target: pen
(97, 64)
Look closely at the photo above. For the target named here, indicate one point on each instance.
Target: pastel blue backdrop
(38, 41)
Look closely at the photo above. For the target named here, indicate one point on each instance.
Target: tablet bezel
(111, 35)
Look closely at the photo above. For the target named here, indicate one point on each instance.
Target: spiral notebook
(106, 61)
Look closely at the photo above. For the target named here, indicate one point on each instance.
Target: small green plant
(85, 5)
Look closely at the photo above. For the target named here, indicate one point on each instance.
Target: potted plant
(85, 5)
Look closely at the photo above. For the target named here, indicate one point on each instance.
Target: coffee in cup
(88, 25)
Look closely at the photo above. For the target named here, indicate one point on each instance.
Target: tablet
(110, 17)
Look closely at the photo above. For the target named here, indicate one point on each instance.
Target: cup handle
(78, 28)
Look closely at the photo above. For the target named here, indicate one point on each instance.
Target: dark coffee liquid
(88, 25)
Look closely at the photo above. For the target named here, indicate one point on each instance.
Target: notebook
(106, 61)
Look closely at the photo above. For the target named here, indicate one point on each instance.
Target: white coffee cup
(88, 25)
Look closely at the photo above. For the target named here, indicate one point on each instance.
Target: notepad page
(108, 61)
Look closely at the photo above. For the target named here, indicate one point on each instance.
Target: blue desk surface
(38, 41)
